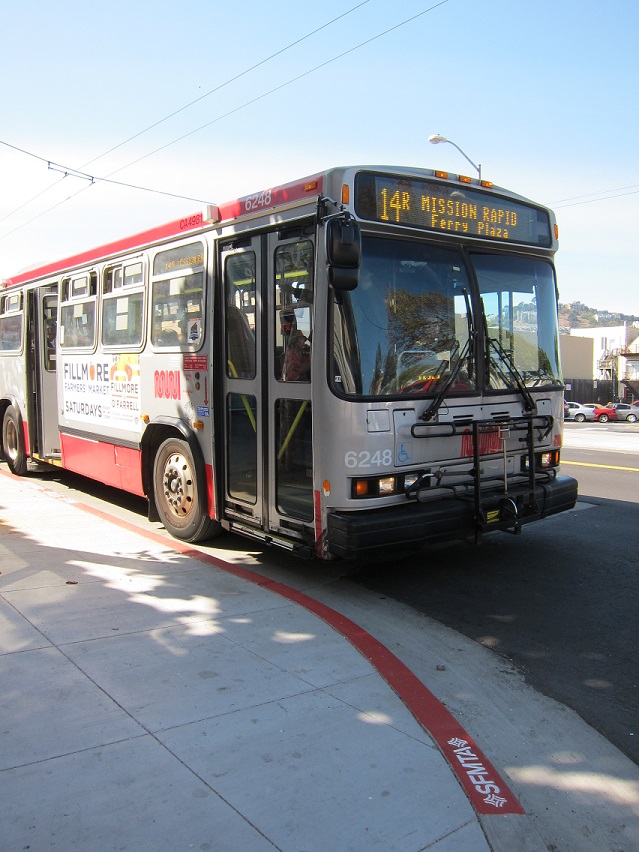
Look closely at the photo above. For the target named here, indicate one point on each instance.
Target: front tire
(580, 418)
(178, 498)
(604, 418)
(13, 442)
(631, 418)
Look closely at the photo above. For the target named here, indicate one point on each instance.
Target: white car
(577, 411)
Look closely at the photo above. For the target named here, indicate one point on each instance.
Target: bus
(356, 363)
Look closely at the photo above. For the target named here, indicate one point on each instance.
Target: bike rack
(500, 510)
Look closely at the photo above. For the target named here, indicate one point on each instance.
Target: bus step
(297, 547)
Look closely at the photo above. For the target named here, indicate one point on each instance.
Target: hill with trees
(578, 315)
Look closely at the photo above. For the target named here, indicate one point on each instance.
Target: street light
(436, 139)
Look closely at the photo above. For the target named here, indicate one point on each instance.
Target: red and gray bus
(358, 362)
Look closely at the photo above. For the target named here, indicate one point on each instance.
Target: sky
(172, 105)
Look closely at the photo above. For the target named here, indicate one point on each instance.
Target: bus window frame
(73, 295)
(169, 276)
(123, 290)
(12, 307)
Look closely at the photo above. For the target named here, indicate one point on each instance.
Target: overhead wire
(155, 124)
(227, 82)
(67, 171)
(107, 178)
(591, 198)
(281, 86)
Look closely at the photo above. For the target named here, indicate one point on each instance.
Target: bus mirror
(343, 252)
(343, 242)
(342, 278)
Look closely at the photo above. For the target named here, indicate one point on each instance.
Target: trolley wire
(107, 178)
(73, 172)
(282, 86)
(227, 82)
(591, 198)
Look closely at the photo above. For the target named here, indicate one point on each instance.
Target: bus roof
(247, 206)
(212, 215)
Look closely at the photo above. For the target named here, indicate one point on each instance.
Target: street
(560, 601)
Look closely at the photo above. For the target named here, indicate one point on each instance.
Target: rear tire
(13, 442)
(181, 506)
(580, 418)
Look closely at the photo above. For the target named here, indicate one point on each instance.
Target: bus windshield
(518, 297)
(406, 329)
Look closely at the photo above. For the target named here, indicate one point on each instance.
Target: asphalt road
(561, 600)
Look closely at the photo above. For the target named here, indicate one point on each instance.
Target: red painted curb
(486, 790)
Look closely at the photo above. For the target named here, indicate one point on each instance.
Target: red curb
(487, 791)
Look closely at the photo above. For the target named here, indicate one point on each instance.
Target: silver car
(577, 411)
(626, 411)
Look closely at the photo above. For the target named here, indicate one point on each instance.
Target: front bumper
(409, 526)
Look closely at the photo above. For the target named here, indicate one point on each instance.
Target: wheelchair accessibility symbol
(404, 453)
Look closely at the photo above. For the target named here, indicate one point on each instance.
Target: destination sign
(175, 259)
(450, 208)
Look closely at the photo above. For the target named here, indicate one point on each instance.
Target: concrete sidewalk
(150, 701)
(157, 696)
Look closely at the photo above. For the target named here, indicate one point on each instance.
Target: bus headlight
(382, 486)
(387, 485)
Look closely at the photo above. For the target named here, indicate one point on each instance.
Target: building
(615, 358)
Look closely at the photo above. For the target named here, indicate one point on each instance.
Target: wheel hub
(11, 440)
(178, 485)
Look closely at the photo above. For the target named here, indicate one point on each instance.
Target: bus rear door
(42, 352)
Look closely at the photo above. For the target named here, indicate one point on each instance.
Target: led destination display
(455, 209)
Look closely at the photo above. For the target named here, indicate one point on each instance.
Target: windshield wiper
(507, 359)
(432, 409)
(467, 354)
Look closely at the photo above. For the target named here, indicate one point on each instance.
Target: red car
(603, 415)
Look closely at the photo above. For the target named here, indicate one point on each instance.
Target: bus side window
(177, 298)
(123, 309)
(177, 307)
(77, 313)
(10, 328)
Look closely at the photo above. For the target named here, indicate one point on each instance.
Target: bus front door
(268, 483)
(43, 415)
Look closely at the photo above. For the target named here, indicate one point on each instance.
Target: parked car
(577, 411)
(604, 414)
(625, 411)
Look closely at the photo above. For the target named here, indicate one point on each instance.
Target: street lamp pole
(436, 139)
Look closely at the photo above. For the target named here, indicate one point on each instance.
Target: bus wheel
(178, 501)
(13, 442)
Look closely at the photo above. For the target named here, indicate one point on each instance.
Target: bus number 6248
(382, 458)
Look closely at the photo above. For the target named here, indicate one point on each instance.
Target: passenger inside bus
(240, 344)
(296, 364)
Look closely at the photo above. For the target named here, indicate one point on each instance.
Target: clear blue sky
(543, 95)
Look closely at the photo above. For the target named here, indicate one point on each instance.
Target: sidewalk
(152, 701)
